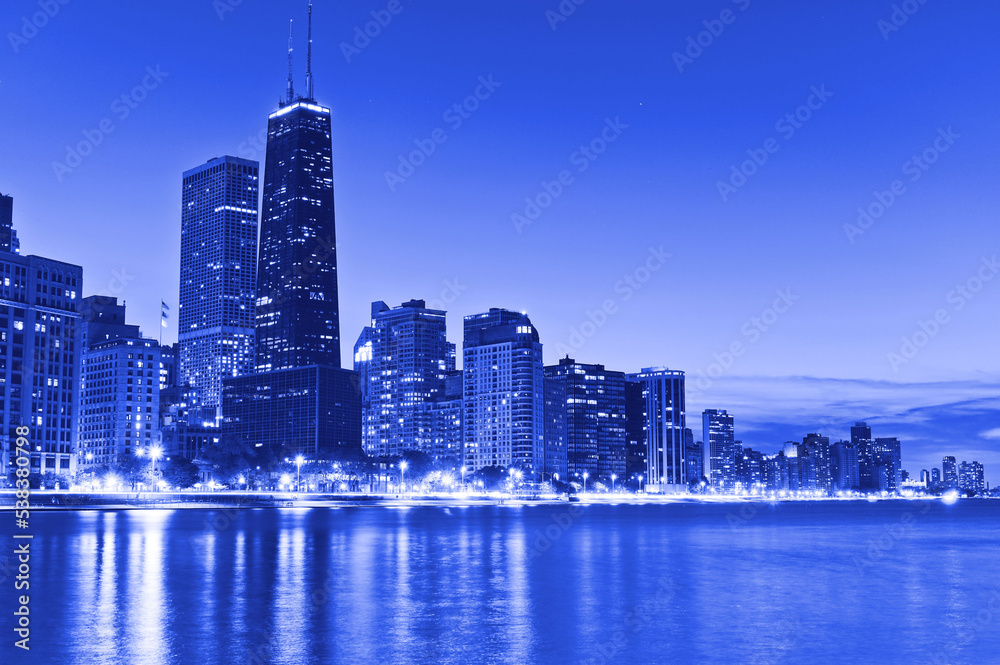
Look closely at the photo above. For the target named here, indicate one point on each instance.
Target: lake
(794, 582)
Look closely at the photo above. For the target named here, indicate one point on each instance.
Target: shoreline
(55, 500)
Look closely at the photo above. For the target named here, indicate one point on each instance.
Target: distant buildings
(39, 355)
(844, 466)
(949, 472)
(815, 453)
(719, 451)
(218, 274)
(887, 464)
(402, 360)
(861, 439)
(635, 431)
(119, 411)
(595, 418)
(970, 477)
(665, 421)
(504, 392)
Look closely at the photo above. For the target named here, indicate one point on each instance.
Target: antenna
(309, 55)
(291, 90)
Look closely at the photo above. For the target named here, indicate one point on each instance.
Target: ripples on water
(824, 582)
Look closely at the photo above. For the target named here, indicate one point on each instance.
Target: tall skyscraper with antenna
(298, 318)
(300, 400)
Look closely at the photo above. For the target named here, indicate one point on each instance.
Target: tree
(181, 472)
(229, 456)
(492, 476)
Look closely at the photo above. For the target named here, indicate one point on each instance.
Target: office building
(215, 332)
(504, 392)
(635, 431)
(718, 435)
(817, 449)
(861, 439)
(554, 430)
(665, 421)
(935, 476)
(119, 412)
(8, 237)
(298, 315)
(402, 360)
(300, 401)
(844, 466)
(949, 472)
(595, 418)
(888, 466)
(39, 359)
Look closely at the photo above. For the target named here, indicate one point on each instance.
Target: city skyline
(924, 411)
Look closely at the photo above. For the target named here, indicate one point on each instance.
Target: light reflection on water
(502, 585)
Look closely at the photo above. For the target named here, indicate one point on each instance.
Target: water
(824, 582)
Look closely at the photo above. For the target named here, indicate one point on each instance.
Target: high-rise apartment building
(844, 466)
(970, 477)
(887, 464)
(402, 360)
(504, 392)
(595, 418)
(218, 275)
(665, 421)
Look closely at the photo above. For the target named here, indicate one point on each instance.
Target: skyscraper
(300, 401)
(402, 360)
(861, 439)
(39, 360)
(663, 406)
(718, 435)
(595, 418)
(949, 472)
(298, 316)
(555, 430)
(8, 237)
(635, 430)
(935, 476)
(218, 274)
(844, 466)
(504, 392)
(888, 466)
(817, 449)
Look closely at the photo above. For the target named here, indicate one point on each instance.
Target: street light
(155, 453)
(299, 459)
(586, 475)
(402, 474)
(640, 482)
(463, 478)
(613, 478)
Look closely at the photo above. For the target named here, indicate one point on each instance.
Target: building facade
(665, 421)
(218, 274)
(298, 311)
(844, 466)
(970, 477)
(887, 464)
(718, 435)
(595, 418)
(402, 360)
(861, 439)
(949, 471)
(503, 392)
(39, 360)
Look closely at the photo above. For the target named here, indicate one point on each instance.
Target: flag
(164, 313)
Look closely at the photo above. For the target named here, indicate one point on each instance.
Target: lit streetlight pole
(613, 478)
(463, 478)
(586, 475)
(402, 474)
(299, 459)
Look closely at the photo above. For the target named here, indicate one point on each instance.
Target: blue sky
(664, 131)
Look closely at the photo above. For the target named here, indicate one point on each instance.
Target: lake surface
(819, 582)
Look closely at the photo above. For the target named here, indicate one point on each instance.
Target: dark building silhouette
(949, 472)
(718, 435)
(635, 431)
(595, 418)
(861, 439)
(8, 237)
(844, 466)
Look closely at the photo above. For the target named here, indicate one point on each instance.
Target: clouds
(931, 419)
